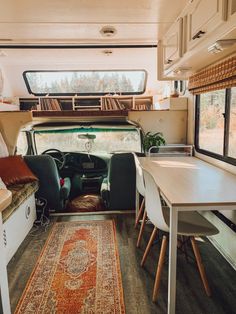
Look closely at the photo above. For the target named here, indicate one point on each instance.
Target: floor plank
(138, 282)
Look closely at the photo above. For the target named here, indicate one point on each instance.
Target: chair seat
(191, 223)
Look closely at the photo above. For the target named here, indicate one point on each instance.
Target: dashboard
(82, 164)
(85, 163)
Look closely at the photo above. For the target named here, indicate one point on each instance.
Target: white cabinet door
(232, 9)
(203, 18)
(172, 44)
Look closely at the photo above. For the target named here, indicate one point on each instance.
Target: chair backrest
(139, 176)
(44, 167)
(121, 178)
(153, 202)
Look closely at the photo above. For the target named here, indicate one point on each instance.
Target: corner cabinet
(204, 16)
(172, 44)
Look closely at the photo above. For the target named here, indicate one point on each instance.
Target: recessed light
(221, 45)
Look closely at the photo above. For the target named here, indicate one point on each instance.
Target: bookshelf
(46, 103)
(87, 103)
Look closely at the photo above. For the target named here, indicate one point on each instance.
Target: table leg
(3, 274)
(172, 260)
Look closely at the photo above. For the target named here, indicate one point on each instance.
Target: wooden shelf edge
(78, 113)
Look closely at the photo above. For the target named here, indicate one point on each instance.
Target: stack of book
(109, 103)
(48, 104)
(144, 103)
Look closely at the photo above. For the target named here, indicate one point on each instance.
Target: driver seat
(45, 168)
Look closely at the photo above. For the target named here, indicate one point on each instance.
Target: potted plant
(153, 139)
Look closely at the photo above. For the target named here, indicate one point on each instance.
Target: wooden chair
(190, 224)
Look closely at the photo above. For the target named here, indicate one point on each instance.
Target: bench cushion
(20, 193)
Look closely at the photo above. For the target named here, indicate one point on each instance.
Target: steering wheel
(59, 161)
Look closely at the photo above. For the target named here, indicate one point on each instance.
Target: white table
(5, 200)
(188, 184)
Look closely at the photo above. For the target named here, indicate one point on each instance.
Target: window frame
(223, 157)
(24, 74)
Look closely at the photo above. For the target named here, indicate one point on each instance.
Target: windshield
(91, 140)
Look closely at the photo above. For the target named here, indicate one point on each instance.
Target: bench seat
(20, 193)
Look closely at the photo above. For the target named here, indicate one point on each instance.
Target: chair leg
(159, 268)
(200, 266)
(139, 214)
(152, 238)
(141, 228)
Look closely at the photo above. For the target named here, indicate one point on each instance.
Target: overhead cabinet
(172, 44)
(184, 48)
(232, 9)
(204, 16)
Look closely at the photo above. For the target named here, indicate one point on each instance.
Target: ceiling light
(182, 70)
(221, 45)
(108, 31)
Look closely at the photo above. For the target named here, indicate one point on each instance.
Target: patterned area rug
(77, 272)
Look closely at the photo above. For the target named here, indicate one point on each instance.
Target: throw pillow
(14, 170)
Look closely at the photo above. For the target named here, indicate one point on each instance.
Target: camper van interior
(118, 156)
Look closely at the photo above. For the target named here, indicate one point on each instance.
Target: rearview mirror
(87, 136)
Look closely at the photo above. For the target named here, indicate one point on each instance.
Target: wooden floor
(138, 282)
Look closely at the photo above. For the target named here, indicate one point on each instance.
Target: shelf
(173, 150)
(81, 103)
(8, 107)
(77, 113)
(174, 103)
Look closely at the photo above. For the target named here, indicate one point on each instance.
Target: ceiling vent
(108, 31)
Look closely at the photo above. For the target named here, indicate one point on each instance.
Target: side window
(215, 133)
(232, 124)
(22, 145)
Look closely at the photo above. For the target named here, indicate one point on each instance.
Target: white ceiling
(17, 61)
(79, 22)
(136, 21)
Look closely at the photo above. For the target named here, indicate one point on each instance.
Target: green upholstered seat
(118, 189)
(44, 167)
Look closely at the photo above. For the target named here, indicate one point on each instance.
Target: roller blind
(219, 76)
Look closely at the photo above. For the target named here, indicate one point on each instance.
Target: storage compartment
(172, 44)
(18, 225)
(231, 9)
(203, 18)
(86, 103)
(174, 103)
